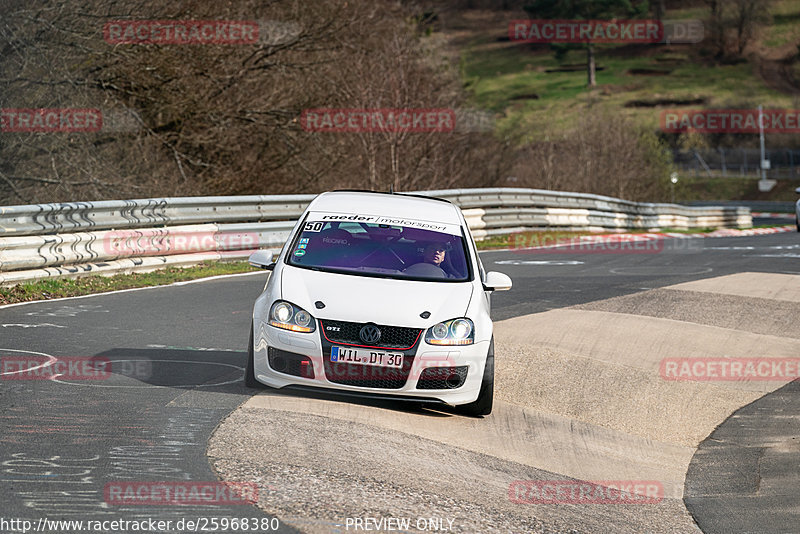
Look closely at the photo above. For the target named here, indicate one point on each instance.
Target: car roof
(387, 204)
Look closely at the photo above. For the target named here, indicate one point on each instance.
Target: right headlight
(290, 317)
(453, 332)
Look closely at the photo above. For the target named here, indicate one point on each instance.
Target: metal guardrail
(774, 206)
(75, 238)
(39, 219)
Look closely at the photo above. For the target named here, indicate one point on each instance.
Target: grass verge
(550, 237)
(66, 287)
(524, 239)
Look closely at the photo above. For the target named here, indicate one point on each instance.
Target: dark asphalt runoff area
(177, 355)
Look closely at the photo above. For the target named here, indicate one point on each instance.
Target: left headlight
(290, 317)
(453, 332)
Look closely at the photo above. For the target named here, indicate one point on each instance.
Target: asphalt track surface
(178, 355)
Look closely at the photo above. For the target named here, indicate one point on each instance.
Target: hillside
(229, 118)
(543, 97)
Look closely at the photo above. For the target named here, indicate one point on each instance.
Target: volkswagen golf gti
(378, 294)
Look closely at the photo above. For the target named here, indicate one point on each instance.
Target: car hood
(379, 300)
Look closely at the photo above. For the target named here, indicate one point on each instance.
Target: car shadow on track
(220, 371)
(223, 372)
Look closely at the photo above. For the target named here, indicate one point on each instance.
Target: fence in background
(739, 162)
(77, 238)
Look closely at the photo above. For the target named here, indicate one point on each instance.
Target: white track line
(132, 289)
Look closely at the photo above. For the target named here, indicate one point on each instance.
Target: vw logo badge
(369, 333)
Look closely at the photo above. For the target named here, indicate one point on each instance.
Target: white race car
(378, 294)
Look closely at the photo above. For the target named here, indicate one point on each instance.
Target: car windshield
(409, 249)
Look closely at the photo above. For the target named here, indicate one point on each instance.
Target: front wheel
(797, 222)
(250, 372)
(483, 404)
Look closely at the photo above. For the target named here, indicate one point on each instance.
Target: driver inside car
(434, 262)
(435, 254)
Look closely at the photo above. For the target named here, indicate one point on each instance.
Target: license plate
(366, 357)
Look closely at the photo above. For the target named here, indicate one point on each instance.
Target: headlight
(452, 332)
(290, 317)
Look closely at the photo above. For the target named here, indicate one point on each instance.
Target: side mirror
(263, 259)
(497, 282)
(797, 190)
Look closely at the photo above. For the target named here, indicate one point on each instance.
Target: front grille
(392, 337)
(436, 377)
(290, 363)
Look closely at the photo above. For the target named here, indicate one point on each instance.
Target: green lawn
(512, 80)
(785, 27)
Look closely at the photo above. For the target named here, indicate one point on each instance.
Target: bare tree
(746, 17)
(224, 119)
(734, 23)
(604, 154)
(412, 79)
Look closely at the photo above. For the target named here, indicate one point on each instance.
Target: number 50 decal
(314, 226)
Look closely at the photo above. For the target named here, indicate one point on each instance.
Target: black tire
(250, 373)
(483, 404)
(797, 222)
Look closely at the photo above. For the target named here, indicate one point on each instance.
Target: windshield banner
(323, 217)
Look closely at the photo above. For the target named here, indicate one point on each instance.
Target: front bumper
(310, 345)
